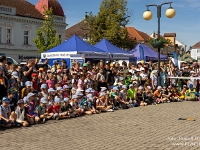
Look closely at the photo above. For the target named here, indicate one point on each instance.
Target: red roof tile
(169, 34)
(23, 8)
(139, 35)
(80, 29)
(197, 45)
(54, 4)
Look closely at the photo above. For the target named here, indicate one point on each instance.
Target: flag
(175, 56)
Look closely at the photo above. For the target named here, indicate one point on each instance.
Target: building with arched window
(19, 21)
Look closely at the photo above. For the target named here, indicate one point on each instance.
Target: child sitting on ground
(140, 97)
(91, 104)
(42, 110)
(56, 109)
(115, 97)
(101, 104)
(158, 95)
(124, 104)
(30, 108)
(190, 93)
(20, 113)
(67, 110)
(76, 105)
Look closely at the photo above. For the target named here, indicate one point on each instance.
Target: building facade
(195, 51)
(19, 21)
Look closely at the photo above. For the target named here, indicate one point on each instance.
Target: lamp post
(147, 15)
(182, 52)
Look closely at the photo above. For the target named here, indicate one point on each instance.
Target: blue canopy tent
(115, 52)
(73, 47)
(144, 52)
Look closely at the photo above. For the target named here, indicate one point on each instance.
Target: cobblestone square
(143, 128)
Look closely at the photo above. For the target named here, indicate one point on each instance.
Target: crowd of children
(58, 93)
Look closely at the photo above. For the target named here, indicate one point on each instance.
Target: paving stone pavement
(143, 128)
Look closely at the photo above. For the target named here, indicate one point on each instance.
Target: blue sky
(186, 23)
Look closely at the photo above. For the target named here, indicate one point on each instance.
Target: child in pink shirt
(50, 81)
(81, 82)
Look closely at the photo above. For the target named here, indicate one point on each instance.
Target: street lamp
(147, 15)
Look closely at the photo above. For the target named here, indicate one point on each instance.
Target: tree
(47, 36)
(110, 23)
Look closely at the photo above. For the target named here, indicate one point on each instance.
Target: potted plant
(159, 42)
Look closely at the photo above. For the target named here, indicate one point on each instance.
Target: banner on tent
(96, 55)
(69, 55)
(119, 56)
(155, 59)
(57, 55)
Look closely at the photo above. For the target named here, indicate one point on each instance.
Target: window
(58, 18)
(26, 37)
(8, 36)
(0, 34)
(60, 37)
(6, 9)
(198, 50)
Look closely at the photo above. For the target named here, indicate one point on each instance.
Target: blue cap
(43, 86)
(79, 93)
(57, 100)
(43, 100)
(55, 61)
(89, 90)
(15, 74)
(21, 101)
(89, 95)
(140, 88)
(74, 96)
(103, 89)
(25, 99)
(131, 85)
(51, 90)
(28, 83)
(115, 88)
(66, 87)
(191, 86)
(6, 99)
(124, 86)
(59, 88)
(66, 99)
(30, 95)
(102, 94)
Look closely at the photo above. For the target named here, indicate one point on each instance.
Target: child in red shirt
(56, 109)
(34, 81)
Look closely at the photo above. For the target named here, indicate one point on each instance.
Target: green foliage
(47, 37)
(110, 23)
(165, 41)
